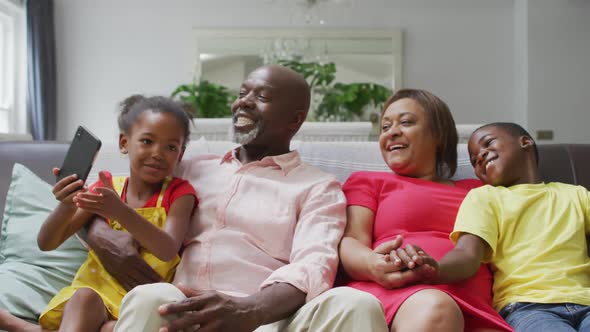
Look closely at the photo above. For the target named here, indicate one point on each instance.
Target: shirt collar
(230, 155)
(286, 162)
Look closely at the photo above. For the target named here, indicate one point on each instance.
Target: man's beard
(244, 138)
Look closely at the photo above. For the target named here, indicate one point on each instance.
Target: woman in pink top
(417, 204)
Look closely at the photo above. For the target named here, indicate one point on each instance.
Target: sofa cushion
(29, 278)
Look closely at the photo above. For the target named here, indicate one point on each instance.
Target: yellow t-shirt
(537, 240)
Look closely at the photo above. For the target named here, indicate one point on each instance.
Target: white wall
(502, 60)
(559, 68)
(461, 50)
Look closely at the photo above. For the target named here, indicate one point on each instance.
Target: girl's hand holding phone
(66, 188)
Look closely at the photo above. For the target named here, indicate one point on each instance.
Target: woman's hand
(66, 188)
(395, 267)
(383, 262)
(381, 266)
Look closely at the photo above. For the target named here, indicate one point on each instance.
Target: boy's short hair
(515, 131)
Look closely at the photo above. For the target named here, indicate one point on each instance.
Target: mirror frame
(208, 41)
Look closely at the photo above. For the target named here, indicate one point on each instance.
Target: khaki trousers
(339, 309)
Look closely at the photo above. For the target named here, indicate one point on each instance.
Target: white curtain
(12, 67)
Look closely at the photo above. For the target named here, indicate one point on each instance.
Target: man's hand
(119, 255)
(210, 311)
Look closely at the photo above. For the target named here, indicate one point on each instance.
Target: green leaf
(210, 100)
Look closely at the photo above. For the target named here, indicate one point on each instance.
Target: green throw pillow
(29, 277)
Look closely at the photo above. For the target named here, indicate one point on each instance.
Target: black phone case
(80, 155)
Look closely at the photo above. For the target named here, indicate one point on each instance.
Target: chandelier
(286, 48)
(307, 11)
(301, 12)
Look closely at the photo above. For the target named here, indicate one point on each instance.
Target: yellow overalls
(93, 275)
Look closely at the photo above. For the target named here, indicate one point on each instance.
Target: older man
(261, 253)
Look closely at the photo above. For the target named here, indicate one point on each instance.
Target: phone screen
(80, 155)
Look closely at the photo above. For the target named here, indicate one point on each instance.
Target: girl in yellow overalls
(154, 207)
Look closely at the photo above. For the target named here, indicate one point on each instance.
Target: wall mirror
(225, 57)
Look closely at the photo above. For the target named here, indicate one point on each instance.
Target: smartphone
(80, 155)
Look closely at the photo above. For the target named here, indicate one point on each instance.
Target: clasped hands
(396, 267)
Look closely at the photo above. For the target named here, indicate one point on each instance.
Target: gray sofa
(28, 281)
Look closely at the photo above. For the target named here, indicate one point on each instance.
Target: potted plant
(337, 101)
(347, 102)
(208, 100)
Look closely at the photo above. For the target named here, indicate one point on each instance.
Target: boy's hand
(416, 255)
(65, 189)
(413, 256)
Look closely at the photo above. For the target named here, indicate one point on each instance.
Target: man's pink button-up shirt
(274, 220)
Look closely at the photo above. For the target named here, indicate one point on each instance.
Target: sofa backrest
(39, 157)
(569, 163)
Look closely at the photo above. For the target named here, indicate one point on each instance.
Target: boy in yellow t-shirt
(533, 234)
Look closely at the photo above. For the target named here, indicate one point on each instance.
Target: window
(12, 67)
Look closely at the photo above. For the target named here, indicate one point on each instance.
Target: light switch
(544, 134)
